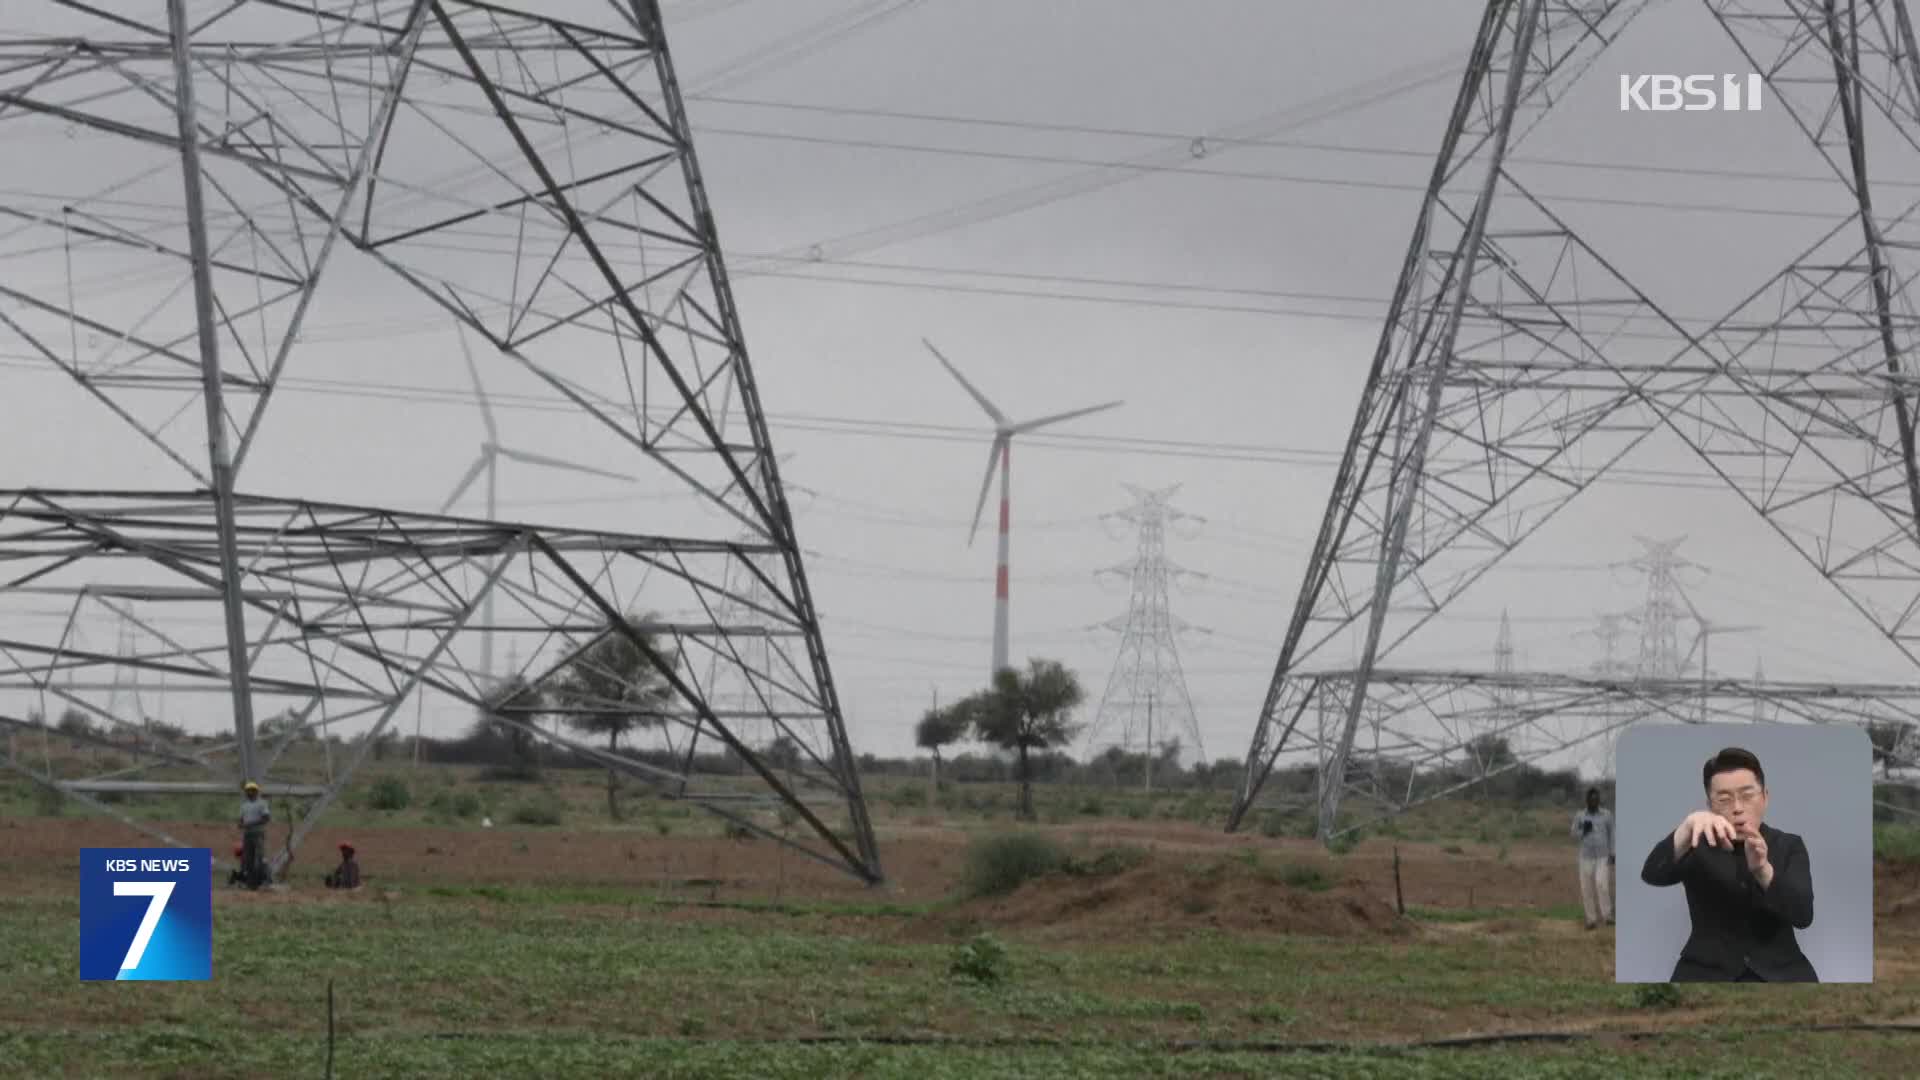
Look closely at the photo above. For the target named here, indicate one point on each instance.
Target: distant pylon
(1147, 685)
(1610, 666)
(125, 694)
(1502, 716)
(1660, 614)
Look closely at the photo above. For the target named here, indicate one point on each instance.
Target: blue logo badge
(146, 913)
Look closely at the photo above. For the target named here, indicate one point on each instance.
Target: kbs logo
(1690, 93)
(146, 913)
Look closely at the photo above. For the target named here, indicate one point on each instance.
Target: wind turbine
(1002, 450)
(1704, 639)
(488, 461)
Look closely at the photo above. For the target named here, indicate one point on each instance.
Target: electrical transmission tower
(1146, 695)
(1660, 614)
(1610, 668)
(523, 171)
(1505, 713)
(1517, 365)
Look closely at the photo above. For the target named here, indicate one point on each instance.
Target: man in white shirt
(254, 817)
(1593, 828)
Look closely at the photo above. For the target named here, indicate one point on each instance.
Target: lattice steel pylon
(1146, 687)
(524, 170)
(1508, 377)
(1661, 612)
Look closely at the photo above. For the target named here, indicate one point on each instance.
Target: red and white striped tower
(1000, 577)
(1001, 454)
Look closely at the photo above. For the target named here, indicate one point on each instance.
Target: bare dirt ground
(1188, 880)
(922, 863)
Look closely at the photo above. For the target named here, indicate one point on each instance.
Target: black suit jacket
(1737, 924)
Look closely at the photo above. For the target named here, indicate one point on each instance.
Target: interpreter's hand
(1705, 825)
(1756, 851)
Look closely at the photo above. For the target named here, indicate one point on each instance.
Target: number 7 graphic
(158, 892)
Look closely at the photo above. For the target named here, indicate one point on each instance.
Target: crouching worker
(238, 876)
(347, 874)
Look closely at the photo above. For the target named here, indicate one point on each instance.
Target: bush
(1110, 861)
(456, 804)
(547, 811)
(1309, 878)
(1896, 843)
(48, 801)
(982, 959)
(389, 793)
(1273, 824)
(1656, 996)
(997, 865)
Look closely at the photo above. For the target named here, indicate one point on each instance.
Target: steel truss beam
(529, 170)
(1502, 386)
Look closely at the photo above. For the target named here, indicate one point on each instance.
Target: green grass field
(467, 968)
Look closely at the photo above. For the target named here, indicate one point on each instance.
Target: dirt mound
(1167, 897)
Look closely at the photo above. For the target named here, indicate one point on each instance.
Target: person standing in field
(1593, 828)
(254, 816)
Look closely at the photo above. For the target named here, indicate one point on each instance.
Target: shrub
(1896, 843)
(982, 959)
(1310, 878)
(547, 811)
(389, 793)
(1110, 861)
(1656, 996)
(997, 865)
(457, 804)
(48, 801)
(1273, 824)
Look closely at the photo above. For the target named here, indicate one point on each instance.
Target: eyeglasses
(1745, 796)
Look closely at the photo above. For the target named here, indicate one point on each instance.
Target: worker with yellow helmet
(254, 817)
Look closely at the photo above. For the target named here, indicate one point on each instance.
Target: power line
(1186, 137)
(1206, 450)
(1264, 176)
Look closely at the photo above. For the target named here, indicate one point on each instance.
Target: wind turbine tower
(488, 463)
(1001, 453)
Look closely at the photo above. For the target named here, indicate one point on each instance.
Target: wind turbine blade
(480, 392)
(999, 418)
(1057, 417)
(556, 463)
(986, 483)
(466, 481)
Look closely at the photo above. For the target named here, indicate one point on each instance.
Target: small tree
(938, 728)
(785, 753)
(615, 687)
(1884, 737)
(514, 698)
(75, 722)
(1026, 711)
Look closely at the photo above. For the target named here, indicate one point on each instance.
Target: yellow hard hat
(250, 786)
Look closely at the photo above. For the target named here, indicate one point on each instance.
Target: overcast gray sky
(1232, 299)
